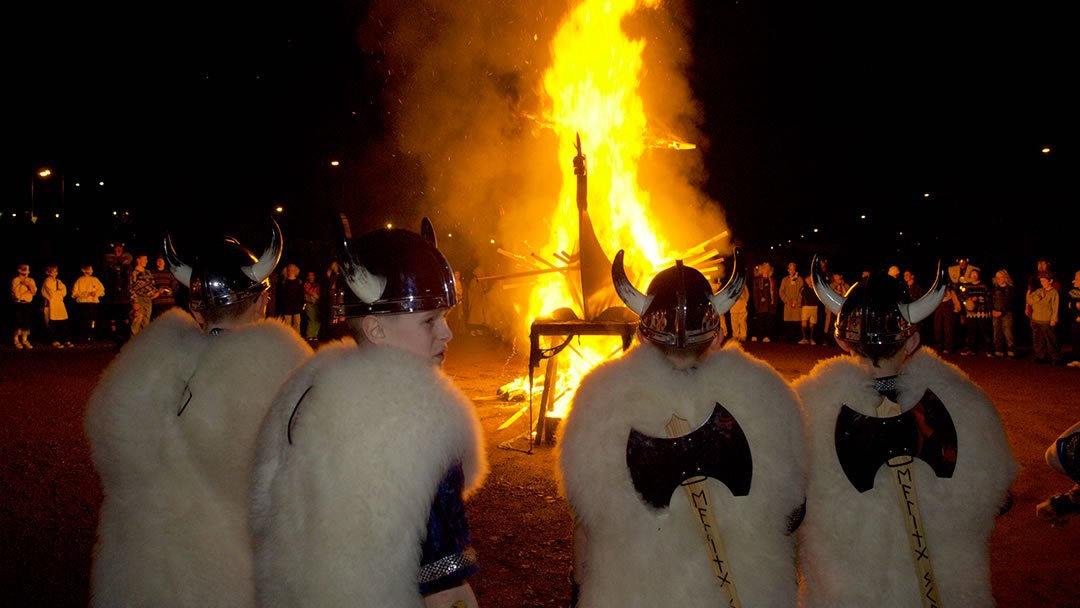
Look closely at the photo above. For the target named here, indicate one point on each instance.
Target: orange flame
(592, 88)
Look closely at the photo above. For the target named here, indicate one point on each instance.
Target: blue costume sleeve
(447, 559)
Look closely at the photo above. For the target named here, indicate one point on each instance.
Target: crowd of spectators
(117, 296)
(974, 317)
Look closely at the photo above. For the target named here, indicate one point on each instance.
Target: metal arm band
(446, 566)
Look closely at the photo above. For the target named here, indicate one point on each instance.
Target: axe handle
(904, 482)
(697, 494)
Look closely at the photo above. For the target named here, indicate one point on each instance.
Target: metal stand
(566, 329)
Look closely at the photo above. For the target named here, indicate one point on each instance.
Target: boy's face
(421, 333)
(141, 261)
(50, 272)
(88, 270)
(159, 263)
(24, 270)
(1045, 282)
(791, 269)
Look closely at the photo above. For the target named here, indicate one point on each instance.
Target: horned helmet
(679, 307)
(877, 309)
(392, 271)
(226, 272)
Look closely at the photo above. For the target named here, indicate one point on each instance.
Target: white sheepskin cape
(854, 549)
(636, 555)
(173, 526)
(339, 514)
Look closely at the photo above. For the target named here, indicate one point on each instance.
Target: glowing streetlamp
(43, 174)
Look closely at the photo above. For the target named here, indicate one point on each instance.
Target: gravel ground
(521, 524)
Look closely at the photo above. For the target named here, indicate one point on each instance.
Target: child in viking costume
(172, 428)
(365, 458)
(909, 463)
(666, 515)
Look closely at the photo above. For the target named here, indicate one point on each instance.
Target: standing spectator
(791, 295)
(143, 290)
(765, 302)
(54, 291)
(738, 316)
(117, 273)
(977, 307)
(840, 286)
(331, 292)
(809, 311)
(290, 295)
(87, 292)
(271, 301)
(1001, 297)
(312, 295)
(1041, 267)
(945, 321)
(960, 274)
(166, 285)
(914, 290)
(23, 289)
(1044, 317)
(1074, 315)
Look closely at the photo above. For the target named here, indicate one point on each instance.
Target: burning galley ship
(576, 320)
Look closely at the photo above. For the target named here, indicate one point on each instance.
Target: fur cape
(637, 555)
(339, 514)
(173, 524)
(854, 549)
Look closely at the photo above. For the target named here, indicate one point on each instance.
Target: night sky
(196, 114)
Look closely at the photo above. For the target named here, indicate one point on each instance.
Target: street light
(44, 173)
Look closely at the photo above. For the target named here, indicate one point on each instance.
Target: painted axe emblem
(717, 449)
(864, 443)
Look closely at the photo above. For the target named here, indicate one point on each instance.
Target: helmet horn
(428, 232)
(269, 259)
(366, 285)
(634, 299)
(832, 300)
(925, 306)
(725, 299)
(180, 270)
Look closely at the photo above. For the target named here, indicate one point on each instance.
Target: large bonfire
(592, 91)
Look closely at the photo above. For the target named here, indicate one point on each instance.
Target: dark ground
(521, 525)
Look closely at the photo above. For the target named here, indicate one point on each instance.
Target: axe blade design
(864, 443)
(717, 449)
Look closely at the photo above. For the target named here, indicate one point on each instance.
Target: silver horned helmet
(679, 308)
(876, 310)
(226, 273)
(394, 271)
